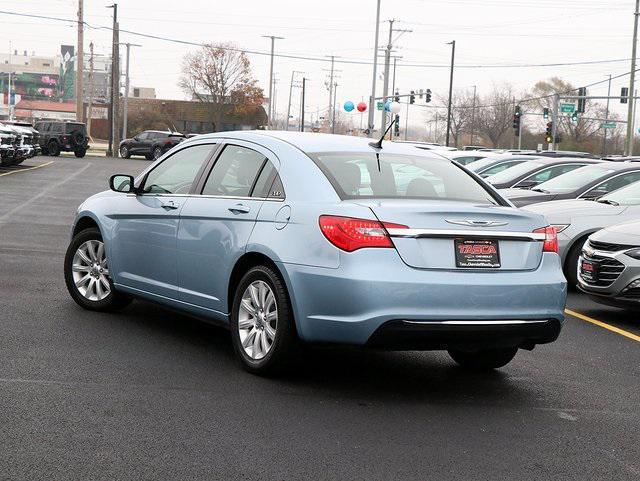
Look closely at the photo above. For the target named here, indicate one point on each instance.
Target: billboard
(42, 86)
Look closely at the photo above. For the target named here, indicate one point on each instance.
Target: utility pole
(554, 119)
(632, 78)
(453, 57)
(9, 101)
(473, 115)
(273, 41)
(114, 81)
(606, 119)
(125, 107)
(406, 122)
(80, 64)
(387, 67)
(275, 101)
(330, 116)
(90, 107)
(293, 72)
(372, 99)
(304, 86)
(333, 113)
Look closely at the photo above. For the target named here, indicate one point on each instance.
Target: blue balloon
(348, 106)
(387, 106)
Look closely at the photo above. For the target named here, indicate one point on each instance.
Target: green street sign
(380, 105)
(567, 108)
(608, 125)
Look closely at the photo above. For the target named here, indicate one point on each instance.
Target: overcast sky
(487, 33)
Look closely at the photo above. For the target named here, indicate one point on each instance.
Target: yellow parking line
(604, 325)
(28, 168)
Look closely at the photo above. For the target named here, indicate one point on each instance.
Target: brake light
(550, 238)
(350, 234)
(167, 142)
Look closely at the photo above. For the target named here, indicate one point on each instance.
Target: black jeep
(61, 136)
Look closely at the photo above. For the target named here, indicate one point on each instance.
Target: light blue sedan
(289, 238)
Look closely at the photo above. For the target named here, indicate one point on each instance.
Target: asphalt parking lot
(151, 394)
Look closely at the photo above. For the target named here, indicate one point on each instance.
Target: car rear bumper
(464, 334)
(373, 287)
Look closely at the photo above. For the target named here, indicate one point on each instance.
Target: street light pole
(453, 56)
(372, 99)
(632, 78)
(114, 80)
(125, 107)
(387, 65)
(273, 41)
(606, 119)
(473, 115)
(80, 64)
(304, 86)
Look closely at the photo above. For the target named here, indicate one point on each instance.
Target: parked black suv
(150, 143)
(58, 136)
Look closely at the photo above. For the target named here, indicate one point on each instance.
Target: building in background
(142, 92)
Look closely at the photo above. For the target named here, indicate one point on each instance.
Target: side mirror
(136, 138)
(121, 183)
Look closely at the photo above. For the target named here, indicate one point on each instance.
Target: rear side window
(499, 168)
(71, 128)
(234, 172)
(396, 176)
(268, 184)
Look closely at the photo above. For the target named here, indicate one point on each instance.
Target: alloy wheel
(257, 320)
(90, 271)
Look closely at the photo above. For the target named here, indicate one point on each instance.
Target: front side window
(617, 182)
(552, 172)
(499, 168)
(369, 175)
(176, 174)
(234, 172)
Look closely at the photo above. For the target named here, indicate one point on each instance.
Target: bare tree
(461, 109)
(219, 75)
(494, 117)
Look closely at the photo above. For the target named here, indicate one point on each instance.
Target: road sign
(567, 108)
(380, 105)
(608, 125)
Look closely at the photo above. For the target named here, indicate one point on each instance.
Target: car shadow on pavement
(342, 371)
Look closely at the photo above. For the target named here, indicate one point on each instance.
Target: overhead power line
(317, 59)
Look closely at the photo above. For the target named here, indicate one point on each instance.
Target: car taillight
(350, 234)
(167, 142)
(550, 238)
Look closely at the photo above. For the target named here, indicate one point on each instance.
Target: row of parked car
(592, 203)
(22, 140)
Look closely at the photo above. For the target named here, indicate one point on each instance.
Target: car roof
(317, 142)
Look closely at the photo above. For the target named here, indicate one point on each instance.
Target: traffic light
(545, 113)
(427, 96)
(397, 97)
(582, 93)
(412, 97)
(396, 126)
(516, 118)
(549, 133)
(624, 95)
(574, 117)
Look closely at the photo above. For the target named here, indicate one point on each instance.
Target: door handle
(169, 205)
(239, 209)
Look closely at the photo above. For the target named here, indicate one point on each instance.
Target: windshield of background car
(629, 195)
(575, 179)
(513, 173)
(357, 175)
(71, 127)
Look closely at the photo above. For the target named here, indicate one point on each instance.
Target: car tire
(571, 263)
(157, 153)
(264, 343)
(86, 275)
(148, 156)
(485, 359)
(80, 153)
(125, 153)
(53, 149)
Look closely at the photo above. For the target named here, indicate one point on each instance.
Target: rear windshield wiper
(608, 201)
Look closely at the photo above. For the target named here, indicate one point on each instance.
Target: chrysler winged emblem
(477, 223)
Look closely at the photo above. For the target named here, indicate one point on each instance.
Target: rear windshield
(359, 175)
(574, 180)
(514, 172)
(71, 128)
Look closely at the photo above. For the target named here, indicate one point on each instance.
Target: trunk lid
(437, 228)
